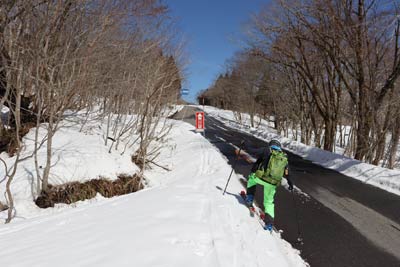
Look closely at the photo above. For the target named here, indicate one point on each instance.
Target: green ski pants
(269, 193)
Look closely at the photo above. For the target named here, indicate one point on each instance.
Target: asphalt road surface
(342, 221)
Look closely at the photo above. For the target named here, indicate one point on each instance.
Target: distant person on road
(268, 171)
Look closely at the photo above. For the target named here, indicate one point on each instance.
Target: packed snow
(374, 175)
(181, 218)
(4, 110)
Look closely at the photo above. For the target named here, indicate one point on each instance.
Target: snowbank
(377, 176)
(77, 156)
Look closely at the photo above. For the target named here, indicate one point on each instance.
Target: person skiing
(268, 171)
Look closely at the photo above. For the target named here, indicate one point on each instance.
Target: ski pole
(299, 238)
(233, 166)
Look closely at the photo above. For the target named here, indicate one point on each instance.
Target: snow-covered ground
(181, 219)
(377, 176)
(77, 156)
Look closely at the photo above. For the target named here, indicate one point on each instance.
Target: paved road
(343, 221)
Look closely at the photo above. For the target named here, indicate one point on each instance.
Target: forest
(325, 71)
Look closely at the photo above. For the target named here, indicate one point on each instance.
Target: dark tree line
(326, 64)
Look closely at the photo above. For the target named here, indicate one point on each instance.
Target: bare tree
(72, 55)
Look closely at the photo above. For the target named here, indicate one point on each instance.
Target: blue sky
(213, 31)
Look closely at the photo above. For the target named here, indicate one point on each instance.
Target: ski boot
(268, 227)
(249, 200)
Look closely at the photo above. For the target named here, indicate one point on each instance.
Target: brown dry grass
(75, 191)
(3, 207)
(8, 139)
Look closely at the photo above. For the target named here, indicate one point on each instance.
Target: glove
(290, 187)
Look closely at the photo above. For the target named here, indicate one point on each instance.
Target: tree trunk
(50, 133)
(394, 143)
(363, 132)
(329, 139)
(11, 176)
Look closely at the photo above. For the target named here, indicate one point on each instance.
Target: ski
(257, 212)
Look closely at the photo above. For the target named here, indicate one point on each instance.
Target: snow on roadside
(182, 220)
(171, 110)
(377, 176)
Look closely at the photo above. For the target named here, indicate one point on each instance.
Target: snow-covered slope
(380, 177)
(77, 156)
(181, 220)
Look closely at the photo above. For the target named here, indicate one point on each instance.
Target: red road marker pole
(200, 121)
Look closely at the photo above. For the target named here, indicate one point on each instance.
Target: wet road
(343, 222)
